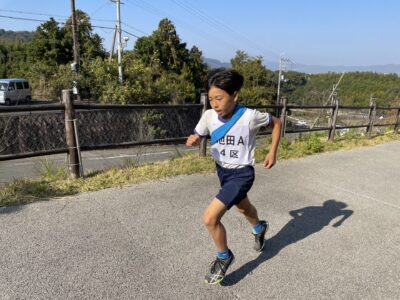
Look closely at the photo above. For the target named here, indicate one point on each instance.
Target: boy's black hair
(228, 80)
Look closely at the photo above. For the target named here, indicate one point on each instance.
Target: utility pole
(75, 64)
(113, 44)
(279, 82)
(331, 99)
(118, 3)
(280, 78)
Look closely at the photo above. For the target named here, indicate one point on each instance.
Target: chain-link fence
(41, 131)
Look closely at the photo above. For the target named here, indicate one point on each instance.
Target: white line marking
(127, 155)
(23, 164)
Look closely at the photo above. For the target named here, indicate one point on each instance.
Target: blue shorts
(235, 183)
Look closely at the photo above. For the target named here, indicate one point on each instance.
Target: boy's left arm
(270, 159)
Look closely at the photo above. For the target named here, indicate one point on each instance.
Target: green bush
(314, 145)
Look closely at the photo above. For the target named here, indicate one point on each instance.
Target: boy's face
(223, 103)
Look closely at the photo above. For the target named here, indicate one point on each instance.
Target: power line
(25, 19)
(211, 22)
(59, 17)
(127, 25)
(30, 13)
(49, 15)
(101, 7)
(205, 18)
(217, 24)
(156, 11)
(37, 20)
(146, 6)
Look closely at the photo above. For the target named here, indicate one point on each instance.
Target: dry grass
(51, 186)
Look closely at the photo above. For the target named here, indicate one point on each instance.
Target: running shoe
(259, 238)
(218, 269)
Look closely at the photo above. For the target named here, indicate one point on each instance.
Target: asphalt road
(334, 235)
(34, 167)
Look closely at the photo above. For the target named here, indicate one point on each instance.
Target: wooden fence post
(203, 141)
(283, 116)
(371, 117)
(332, 126)
(396, 127)
(69, 115)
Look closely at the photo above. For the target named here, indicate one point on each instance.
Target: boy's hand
(269, 161)
(193, 140)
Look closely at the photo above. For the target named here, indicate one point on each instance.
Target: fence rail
(73, 148)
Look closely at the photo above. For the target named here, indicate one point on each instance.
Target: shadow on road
(10, 209)
(306, 221)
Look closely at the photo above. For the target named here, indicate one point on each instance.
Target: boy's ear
(236, 96)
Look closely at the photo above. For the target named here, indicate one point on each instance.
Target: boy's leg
(212, 219)
(248, 210)
(259, 227)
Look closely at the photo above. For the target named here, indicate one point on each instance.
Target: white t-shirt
(236, 149)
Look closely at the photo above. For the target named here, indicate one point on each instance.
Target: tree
(163, 46)
(198, 69)
(171, 63)
(47, 45)
(90, 44)
(3, 61)
(259, 84)
(356, 88)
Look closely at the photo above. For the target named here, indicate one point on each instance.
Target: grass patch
(25, 191)
(55, 184)
(317, 143)
(49, 170)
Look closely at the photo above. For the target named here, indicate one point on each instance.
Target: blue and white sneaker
(259, 238)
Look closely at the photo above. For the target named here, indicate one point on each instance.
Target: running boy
(233, 130)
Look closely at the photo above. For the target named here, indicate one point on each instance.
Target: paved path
(92, 160)
(334, 235)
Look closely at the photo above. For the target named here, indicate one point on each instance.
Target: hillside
(7, 37)
(356, 88)
(315, 69)
(215, 63)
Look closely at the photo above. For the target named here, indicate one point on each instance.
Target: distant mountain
(316, 69)
(385, 69)
(15, 36)
(215, 63)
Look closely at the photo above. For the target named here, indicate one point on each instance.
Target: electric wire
(218, 25)
(94, 26)
(107, 3)
(152, 9)
(64, 18)
(199, 33)
(205, 18)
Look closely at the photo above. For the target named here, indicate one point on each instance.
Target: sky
(312, 32)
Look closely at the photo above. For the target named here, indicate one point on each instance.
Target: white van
(14, 90)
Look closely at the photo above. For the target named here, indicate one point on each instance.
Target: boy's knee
(209, 219)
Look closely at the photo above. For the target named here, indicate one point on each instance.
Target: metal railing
(73, 148)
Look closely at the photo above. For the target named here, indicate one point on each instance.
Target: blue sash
(220, 132)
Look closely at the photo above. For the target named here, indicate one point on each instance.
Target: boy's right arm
(193, 140)
(201, 130)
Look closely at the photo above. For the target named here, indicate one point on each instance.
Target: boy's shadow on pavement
(306, 221)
